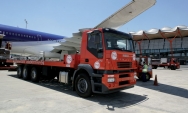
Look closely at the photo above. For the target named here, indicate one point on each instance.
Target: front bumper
(122, 81)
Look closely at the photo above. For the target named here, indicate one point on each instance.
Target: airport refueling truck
(4, 53)
(106, 63)
(170, 63)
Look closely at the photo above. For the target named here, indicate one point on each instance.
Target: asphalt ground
(171, 96)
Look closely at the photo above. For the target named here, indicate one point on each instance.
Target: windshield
(115, 40)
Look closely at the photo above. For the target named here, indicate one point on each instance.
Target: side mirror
(100, 50)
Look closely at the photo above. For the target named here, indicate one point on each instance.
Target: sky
(64, 17)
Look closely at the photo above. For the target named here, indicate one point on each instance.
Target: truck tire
(139, 77)
(19, 71)
(26, 73)
(154, 67)
(147, 77)
(34, 75)
(83, 85)
(173, 67)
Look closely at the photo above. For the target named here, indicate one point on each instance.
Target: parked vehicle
(171, 63)
(106, 63)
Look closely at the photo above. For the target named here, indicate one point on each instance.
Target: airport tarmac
(171, 96)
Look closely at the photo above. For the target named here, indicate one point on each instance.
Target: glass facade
(161, 48)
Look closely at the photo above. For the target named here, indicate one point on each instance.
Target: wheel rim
(24, 73)
(147, 77)
(82, 85)
(19, 71)
(33, 74)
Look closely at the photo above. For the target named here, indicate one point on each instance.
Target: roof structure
(165, 32)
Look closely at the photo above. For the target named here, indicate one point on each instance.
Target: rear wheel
(173, 67)
(154, 67)
(34, 75)
(19, 71)
(26, 73)
(83, 85)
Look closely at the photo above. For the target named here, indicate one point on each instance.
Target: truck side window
(95, 44)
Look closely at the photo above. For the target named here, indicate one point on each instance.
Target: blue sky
(63, 17)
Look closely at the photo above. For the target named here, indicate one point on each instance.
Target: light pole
(26, 23)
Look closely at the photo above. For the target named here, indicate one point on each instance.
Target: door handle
(86, 60)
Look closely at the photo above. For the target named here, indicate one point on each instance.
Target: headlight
(111, 79)
(134, 57)
(135, 75)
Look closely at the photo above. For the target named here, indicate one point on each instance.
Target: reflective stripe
(144, 70)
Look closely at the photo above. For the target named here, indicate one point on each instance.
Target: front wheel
(83, 85)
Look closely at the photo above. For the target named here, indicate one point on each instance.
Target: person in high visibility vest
(144, 72)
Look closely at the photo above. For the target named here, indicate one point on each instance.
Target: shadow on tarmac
(164, 88)
(112, 101)
(168, 69)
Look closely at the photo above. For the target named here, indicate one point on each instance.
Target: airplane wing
(126, 13)
(119, 18)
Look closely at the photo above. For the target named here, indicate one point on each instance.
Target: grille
(123, 75)
(123, 83)
(124, 64)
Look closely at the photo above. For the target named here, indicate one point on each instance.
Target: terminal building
(164, 42)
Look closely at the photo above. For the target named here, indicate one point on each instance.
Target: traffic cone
(155, 81)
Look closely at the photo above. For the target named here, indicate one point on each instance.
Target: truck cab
(107, 57)
(174, 64)
(4, 53)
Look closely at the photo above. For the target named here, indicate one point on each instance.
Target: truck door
(95, 47)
